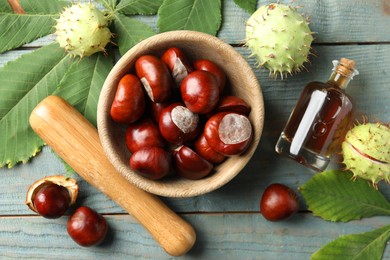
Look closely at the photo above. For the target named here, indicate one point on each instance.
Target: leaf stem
(16, 7)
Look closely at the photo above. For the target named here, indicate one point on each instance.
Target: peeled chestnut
(200, 92)
(142, 134)
(129, 101)
(214, 69)
(190, 165)
(278, 202)
(178, 64)
(151, 162)
(178, 124)
(155, 77)
(86, 227)
(51, 196)
(232, 104)
(202, 147)
(228, 133)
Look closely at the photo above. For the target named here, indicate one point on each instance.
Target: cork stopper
(343, 72)
(345, 67)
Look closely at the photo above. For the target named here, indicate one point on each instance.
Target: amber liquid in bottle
(320, 119)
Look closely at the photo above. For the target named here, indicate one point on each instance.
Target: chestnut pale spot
(184, 119)
(147, 87)
(179, 71)
(234, 129)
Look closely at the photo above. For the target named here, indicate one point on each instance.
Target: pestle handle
(77, 142)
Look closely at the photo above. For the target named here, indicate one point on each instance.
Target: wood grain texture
(243, 83)
(76, 140)
(220, 236)
(334, 21)
(370, 90)
(358, 30)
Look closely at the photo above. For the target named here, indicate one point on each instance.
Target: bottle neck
(339, 80)
(342, 73)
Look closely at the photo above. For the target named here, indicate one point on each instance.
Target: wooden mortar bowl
(241, 82)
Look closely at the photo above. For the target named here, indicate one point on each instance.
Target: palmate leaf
(23, 84)
(34, 76)
(134, 7)
(333, 195)
(18, 29)
(369, 245)
(82, 83)
(248, 5)
(197, 15)
(130, 31)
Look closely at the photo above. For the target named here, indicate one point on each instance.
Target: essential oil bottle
(320, 119)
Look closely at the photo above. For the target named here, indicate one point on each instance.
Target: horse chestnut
(278, 202)
(200, 92)
(155, 77)
(51, 196)
(190, 165)
(214, 69)
(202, 147)
(178, 124)
(129, 101)
(177, 63)
(86, 227)
(151, 162)
(228, 133)
(232, 104)
(143, 133)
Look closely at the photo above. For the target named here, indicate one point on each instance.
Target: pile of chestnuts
(178, 117)
(51, 197)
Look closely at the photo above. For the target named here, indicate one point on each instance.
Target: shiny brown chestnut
(51, 196)
(190, 165)
(214, 69)
(278, 202)
(228, 133)
(143, 133)
(178, 64)
(129, 101)
(178, 124)
(151, 162)
(232, 104)
(202, 147)
(155, 77)
(87, 227)
(200, 92)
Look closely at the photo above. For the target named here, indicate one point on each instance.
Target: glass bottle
(320, 119)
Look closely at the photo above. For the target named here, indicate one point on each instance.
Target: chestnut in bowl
(240, 82)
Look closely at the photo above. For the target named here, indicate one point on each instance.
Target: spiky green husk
(82, 30)
(366, 152)
(280, 39)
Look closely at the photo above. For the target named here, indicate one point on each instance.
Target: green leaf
(333, 195)
(4, 6)
(130, 31)
(82, 83)
(43, 6)
(248, 5)
(143, 7)
(369, 245)
(19, 29)
(24, 82)
(196, 15)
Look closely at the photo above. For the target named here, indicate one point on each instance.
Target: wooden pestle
(76, 141)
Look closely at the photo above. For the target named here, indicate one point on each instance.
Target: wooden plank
(219, 236)
(334, 21)
(370, 90)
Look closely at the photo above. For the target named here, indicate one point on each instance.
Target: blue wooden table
(228, 221)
